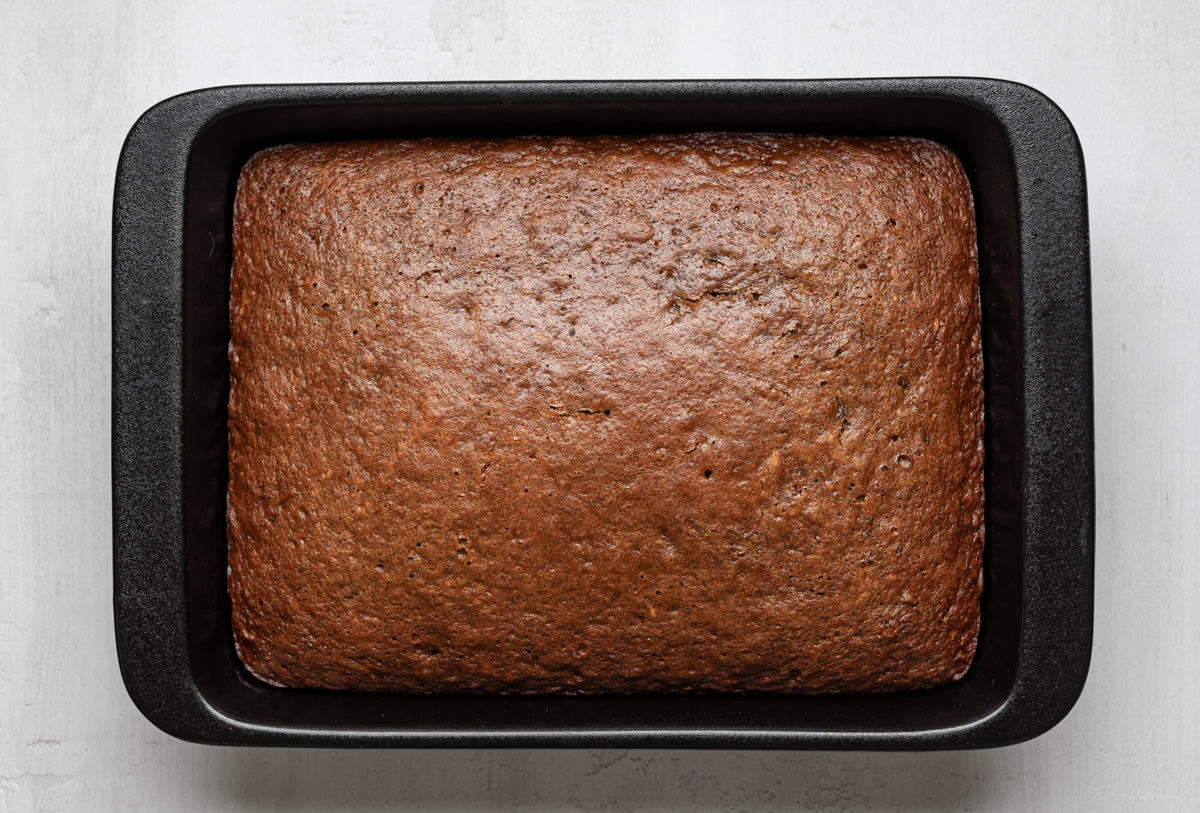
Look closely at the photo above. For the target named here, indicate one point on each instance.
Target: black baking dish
(171, 260)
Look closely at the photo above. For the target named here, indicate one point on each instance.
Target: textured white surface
(74, 77)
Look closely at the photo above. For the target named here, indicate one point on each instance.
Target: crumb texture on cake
(615, 414)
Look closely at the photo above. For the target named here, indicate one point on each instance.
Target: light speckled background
(73, 77)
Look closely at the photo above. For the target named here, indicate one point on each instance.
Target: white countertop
(75, 76)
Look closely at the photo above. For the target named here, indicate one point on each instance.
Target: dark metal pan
(171, 258)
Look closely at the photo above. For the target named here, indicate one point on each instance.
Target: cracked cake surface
(695, 412)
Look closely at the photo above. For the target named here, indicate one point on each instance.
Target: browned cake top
(684, 412)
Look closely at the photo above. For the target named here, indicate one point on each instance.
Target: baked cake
(668, 413)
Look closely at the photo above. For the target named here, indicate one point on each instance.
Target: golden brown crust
(663, 413)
